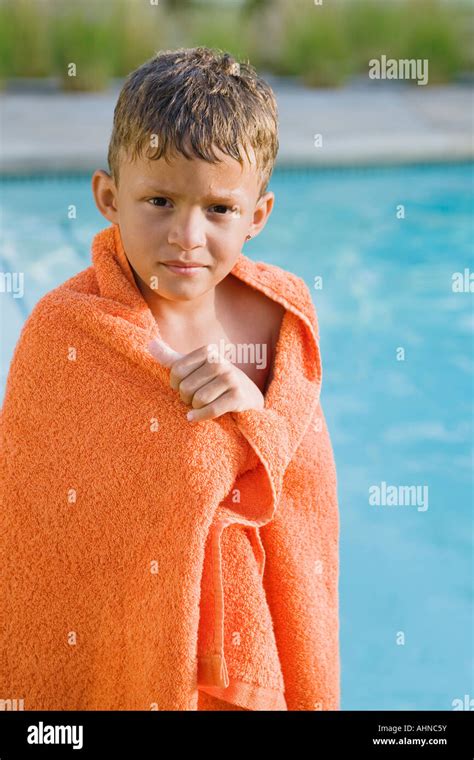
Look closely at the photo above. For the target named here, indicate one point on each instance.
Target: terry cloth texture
(206, 702)
(234, 564)
(146, 560)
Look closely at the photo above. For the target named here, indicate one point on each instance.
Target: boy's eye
(160, 202)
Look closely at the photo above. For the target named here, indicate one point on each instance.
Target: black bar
(446, 734)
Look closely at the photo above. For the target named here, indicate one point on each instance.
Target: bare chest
(252, 351)
(245, 331)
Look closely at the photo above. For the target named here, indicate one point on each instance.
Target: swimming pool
(405, 590)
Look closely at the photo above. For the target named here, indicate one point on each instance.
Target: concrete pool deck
(361, 124)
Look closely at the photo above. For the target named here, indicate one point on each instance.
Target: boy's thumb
(163, 353)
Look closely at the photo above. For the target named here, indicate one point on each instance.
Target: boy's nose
(187, 231)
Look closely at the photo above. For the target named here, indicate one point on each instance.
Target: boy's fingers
(188, 364)
(221, 405)
(205, 393)
(205, 384)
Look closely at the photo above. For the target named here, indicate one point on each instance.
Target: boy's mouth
(182, 267)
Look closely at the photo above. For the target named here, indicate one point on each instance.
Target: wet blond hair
(189, 101)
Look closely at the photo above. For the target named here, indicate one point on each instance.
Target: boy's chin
(184, 291)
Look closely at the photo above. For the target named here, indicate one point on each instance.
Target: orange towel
(145, 560)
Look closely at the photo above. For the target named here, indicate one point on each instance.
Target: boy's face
(187, 210)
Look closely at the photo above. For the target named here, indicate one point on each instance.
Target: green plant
(220, 28)
(82, 50)
(315, 46)
(24, 39)
(136, 31)
(372, 29)
(321, 44)
(433, 35)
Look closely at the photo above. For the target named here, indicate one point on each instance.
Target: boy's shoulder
(281, 282)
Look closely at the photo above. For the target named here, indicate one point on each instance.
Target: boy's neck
(178, 313)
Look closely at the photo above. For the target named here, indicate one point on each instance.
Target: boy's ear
(105, 195)
(263, 209)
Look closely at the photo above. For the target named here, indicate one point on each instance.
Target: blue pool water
(406, 572)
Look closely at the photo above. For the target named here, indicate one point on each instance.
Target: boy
(198, 214)
(198, 566)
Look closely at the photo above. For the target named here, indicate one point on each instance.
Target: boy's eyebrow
(223, 194)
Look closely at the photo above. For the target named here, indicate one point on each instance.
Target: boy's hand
(209, 383)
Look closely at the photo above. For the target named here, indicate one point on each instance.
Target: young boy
(184, 209)
(232, 501)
